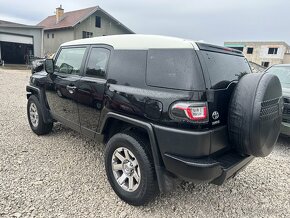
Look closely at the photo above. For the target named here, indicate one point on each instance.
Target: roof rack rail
(219, 49)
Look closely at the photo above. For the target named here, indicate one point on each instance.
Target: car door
(90, 90)
(61, 90)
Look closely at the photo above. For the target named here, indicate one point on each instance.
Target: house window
(273, 51)
(52, 35)
(250, 50)
(48, 35)
(238, 48)
(265, 63)
(87, 34)
(98, 22)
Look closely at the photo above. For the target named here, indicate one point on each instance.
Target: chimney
(59, 13)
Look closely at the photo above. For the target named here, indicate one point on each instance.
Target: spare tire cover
(255, 114)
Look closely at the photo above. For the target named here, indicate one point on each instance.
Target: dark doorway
(16, 53)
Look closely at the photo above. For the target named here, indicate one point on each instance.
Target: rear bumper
(285, 128)
(189, 143)
(214, 170)
(199, 156)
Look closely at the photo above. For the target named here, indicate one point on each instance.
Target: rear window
(175, 69)
(224, 68)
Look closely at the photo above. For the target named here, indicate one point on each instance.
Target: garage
(16, 53)
(19, 43)
(15, 49)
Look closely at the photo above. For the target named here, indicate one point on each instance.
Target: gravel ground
(62, 175)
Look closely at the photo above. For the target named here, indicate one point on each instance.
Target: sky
(213, 21)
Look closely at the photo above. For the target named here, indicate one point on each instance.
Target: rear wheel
(35, 117)
(130, 168)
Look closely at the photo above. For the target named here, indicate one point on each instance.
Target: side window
(97, 62)
(128, 67)
(69, 60)
(173, 68)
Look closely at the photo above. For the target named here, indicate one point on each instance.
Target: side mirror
(49, 66)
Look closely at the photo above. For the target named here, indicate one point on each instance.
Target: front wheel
(35, 117)
(130, 168)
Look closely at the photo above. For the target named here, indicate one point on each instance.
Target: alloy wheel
(33, 113)
(126, 169)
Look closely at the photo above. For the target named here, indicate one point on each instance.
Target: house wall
(108, 26)
(51, 45)
(260, 52)
(35, 33)
(286, 58)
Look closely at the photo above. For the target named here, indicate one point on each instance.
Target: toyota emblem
(215, 115)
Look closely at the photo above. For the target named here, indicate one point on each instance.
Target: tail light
(189, 111)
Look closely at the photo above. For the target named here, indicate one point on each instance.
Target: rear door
(90, 89)
(61, 90)
(222, 70)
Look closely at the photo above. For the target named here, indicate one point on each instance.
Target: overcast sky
(213, 21)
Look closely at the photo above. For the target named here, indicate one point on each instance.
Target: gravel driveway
(62, 175)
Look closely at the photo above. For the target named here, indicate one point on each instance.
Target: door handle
(71, 89)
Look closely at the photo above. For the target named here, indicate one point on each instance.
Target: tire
(37, 125)
(139, 147)
(255, 114)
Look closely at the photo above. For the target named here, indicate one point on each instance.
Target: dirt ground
(62, 175)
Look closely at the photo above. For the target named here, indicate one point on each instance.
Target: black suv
(165, 108)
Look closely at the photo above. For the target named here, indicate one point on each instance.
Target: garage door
(16, 39)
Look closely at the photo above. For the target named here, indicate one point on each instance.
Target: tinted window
(283, 74)
(128, 67)
(174, 68)
(224, 68)
(97, 62)
(69, 60)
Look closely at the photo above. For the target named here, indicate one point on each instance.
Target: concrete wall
(51, 45)
(260, 52)
(108, 26)
(286, 58)
(35, 33)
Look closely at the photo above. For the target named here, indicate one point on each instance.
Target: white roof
(136, 42)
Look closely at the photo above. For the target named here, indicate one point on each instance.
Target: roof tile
(69, 19)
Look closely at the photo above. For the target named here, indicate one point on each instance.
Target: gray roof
(9, 24)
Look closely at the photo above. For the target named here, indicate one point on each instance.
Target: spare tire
(255, 114)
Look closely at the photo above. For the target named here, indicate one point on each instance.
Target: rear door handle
(71, 89)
